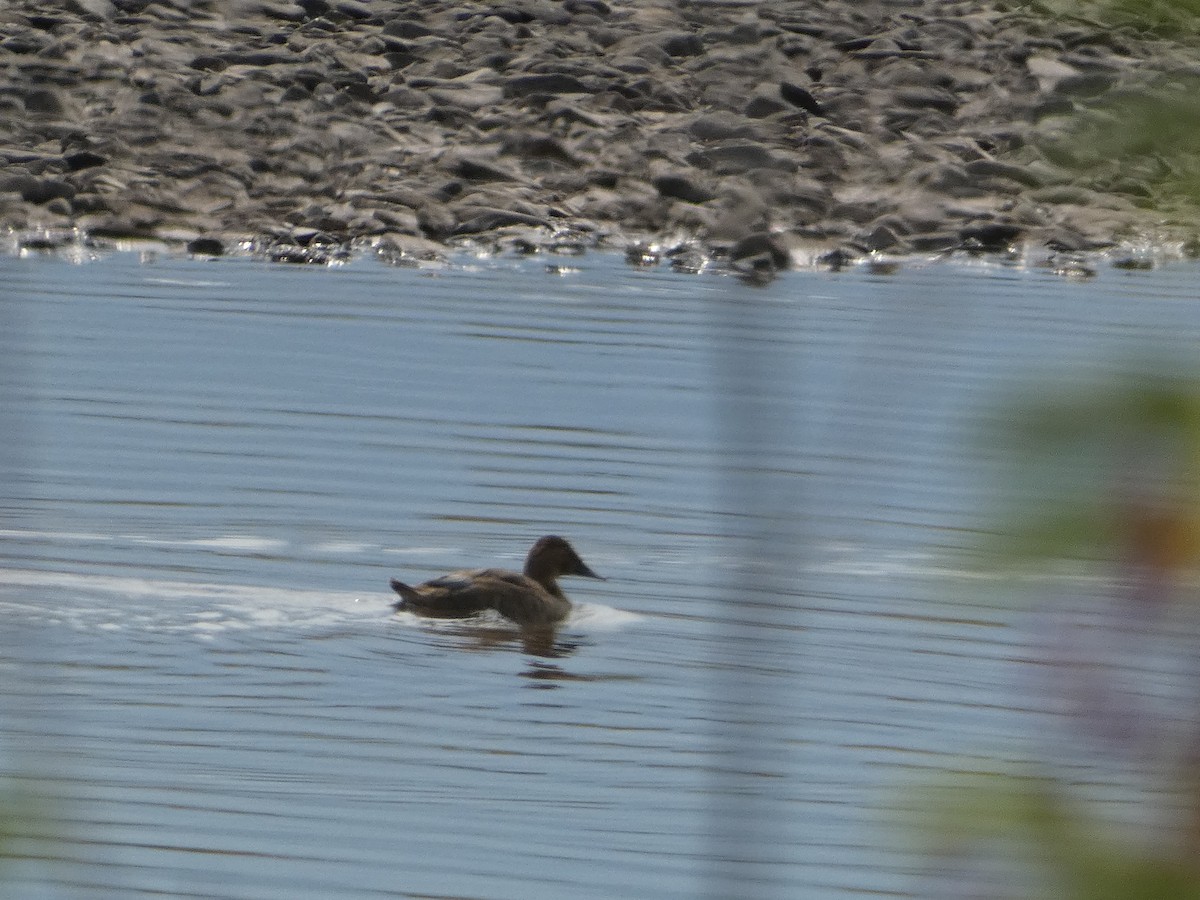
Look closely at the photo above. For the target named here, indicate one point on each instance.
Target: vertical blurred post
(12, 448)
(751, 851)
(16, 379)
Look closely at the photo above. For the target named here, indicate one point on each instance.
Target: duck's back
(465, 593)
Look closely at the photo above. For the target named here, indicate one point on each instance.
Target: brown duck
(529, 598)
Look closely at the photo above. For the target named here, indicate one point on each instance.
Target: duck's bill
(588, 573)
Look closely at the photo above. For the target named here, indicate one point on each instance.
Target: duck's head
(553, 556)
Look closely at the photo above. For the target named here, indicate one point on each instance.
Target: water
(213, 469)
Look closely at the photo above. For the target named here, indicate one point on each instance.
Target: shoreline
(764, 135)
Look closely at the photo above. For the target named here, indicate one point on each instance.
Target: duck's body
(532, 597)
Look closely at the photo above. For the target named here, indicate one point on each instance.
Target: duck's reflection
(542, 641)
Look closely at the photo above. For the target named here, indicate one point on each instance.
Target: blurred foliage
(1144, 144)
(1109, 470)
(1140, 142)
(1045, 846)
(22, 814)
(1176, 19)
(1104, 466)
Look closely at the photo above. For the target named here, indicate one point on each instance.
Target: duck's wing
(461, 594)
(520, 598)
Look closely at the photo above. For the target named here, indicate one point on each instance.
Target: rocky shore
(765, 133)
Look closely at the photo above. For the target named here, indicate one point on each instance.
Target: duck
(531, 597)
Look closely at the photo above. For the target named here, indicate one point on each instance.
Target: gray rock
(739, 156)
(926, 98)
(721, 125)
(760, 106)
(490, 219)
(995, 169)
(550, 83)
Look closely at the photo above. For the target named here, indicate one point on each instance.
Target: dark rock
(837, 259)
(642, 255)
(44, 101)
(206, 246)
(300, 256)
(549, 83)
(737, 156)
(1065, 239)
(287, 12)
(1133, 263)
(406, 28)
(477, 170)
(942, 177)
(119, 228)
(358, 90)
(44, 23)
(852, 44)
(209, 63)
(87, 204)
(749, 33)
(798, 96)
(992, 237)
(680, 187)
(760, 107)
(687, 259)
(995, 169)
(717, 126)
(490, 219)
(256, 58)
(513, 15)
(59, 207)
(83, 159)
(49, 243)
(679, 45)
(25, 44)
(295, 93)
(758, 250)
(1089, 84)
(880, 238)
(539, 147)
(435, 221)
(399, 59)
(38, 190)
(937, 242)
(582, 7)
(928, 98)
(352, 10)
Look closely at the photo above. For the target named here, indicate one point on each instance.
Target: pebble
(317, 125)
